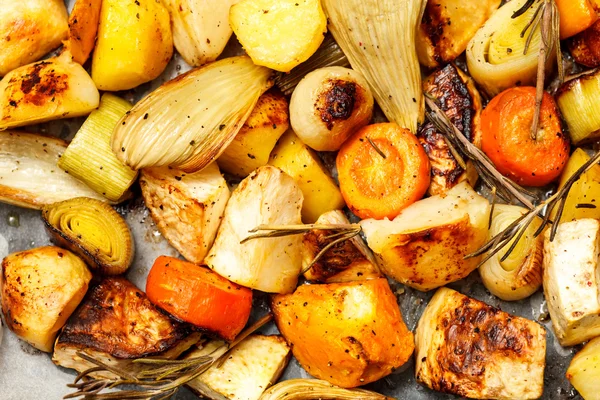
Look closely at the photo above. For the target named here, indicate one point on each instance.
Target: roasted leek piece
(252, 366)
(584, 370)
(367, 31)
(425, 245)
(187, 208)
(457, 97)
(520, 275)
(29, 174)
(39, 289)
(578, 101)
(89, 156)
(94, 231)
(51, 89)
(468, 348)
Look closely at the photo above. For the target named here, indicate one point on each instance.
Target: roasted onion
(313, 389)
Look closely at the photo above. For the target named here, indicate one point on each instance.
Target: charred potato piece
(40, 288)
(349, 333)
(30, 29)
(253, 365)
(471, 349)
(459, 99)
(448, 26)
(585, 46)
(187, 208)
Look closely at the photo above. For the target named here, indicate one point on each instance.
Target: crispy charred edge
(277, 103)
(337, 101)
(585, 46)
(74, 334)
(433, 24)
(568, 85)
(39, 84)
(338, 258)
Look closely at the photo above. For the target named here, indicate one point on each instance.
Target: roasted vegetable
(382, 170)
(51, 89)
(40, 288)
(89, 156)
(583, 372)
(368, 32)
(320, 191)
(425, 245)
(520, 274)
(305, 389)
(267, 196)
(448, 26)
(253, 144)
(29, 30)
(575, 16)
(496, 55)
(251, 367)
(350, 260)
(578, 100)
(94, 231)
(358, 323)
(134, 43)
(328, 105)
(116, 321)
(459, 99)
(585, 47)
(468, 348)
(279, 34)
(200, 28)
(571, 281)
(187, 208)
(199, 296)
(83, 27)
(29, 176)
(157, 131)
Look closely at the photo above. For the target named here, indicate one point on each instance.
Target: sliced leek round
(520, 274)
(313, 389)
(93, 230)
(579, 103)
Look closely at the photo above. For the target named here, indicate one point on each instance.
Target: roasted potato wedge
(267, 196)
(279, 34)
(254, 142)
(448, 26)
(83, 27)
(349, 333)
(102, 326)
(321, 194)
(459, 99)
(187, 208)
(252, 366)
(425, 245)
(468, 348)
(584, 370)
(40, 288)
(51, 89)
(571, 280)
(134, 43)
(30, 29)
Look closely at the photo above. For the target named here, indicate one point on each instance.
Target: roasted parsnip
(83, 27)
(187, 208)
(40, 288)
(584, 370)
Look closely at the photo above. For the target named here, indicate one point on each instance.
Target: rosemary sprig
(376, 148)
(155, 378)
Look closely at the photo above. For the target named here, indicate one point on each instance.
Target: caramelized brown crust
(336, 101)
(336, 259)
(585, 46)
(117, 318)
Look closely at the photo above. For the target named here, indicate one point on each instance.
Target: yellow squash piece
(279, 34)
(321, 194)
(134, 43)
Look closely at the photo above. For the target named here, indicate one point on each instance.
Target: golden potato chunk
(40, 288)
(584, 370)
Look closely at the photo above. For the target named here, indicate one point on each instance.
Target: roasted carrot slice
(575, 16)
(382, 169)
(506, 137)
(197, 295)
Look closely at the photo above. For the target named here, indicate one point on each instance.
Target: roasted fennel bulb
(189, 121)
(578, 100)
(29, 174)
(520, 274)
(316, 389)
(368, 32)
(584, 370)
(499, 56)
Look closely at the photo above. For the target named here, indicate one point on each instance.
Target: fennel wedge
(94, 231)
(188, 122)
(368, 33)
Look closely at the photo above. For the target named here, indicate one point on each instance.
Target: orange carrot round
(199, 296)
(506, 137)
(382, 169)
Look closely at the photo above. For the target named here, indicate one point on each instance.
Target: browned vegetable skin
(349, 333)
(83, 27)
(459, 99)
(448, 26)
(117, 321)
(471, 349)
(585, 46)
